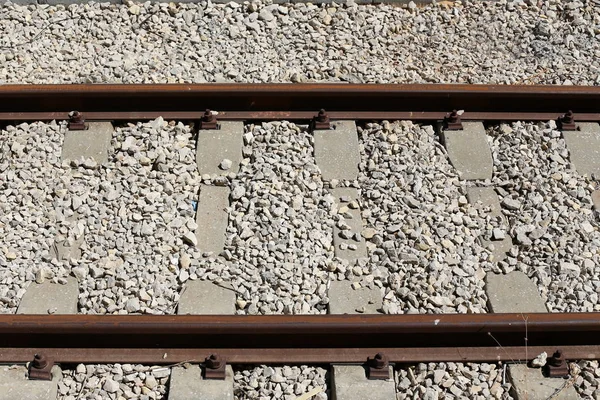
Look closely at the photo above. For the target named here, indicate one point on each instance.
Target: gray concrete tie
(336, 151)
(469, 151)
(584, 148)
(215, 145)
(516, 293)
(212, 218)
(349, 382)
(93, 142)
(187, 382)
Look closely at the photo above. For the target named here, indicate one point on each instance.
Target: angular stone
(212, 218)
(188, 384)
(584, 148)
(355, 224)
(501, 247)
(63, 250)
(50, 298)
(469, 151)
(484, 197)
(349, 382)
(336, 151)
(344, 299)
(216, 145)
(14, 384)
(204, 298)
(90, 143)
(596, 199)
(529, 383)
(513, 293)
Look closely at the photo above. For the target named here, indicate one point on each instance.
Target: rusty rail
(298, 102)
(298, 339)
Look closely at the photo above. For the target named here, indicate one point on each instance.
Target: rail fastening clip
(214, 367)
(76, 121)
(321, 120)
(378, 367)
(208, 120)
(557, 367)
(567, 122)
(452, 121)
(40, 368)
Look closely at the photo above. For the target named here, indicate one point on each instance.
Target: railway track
(368, 238)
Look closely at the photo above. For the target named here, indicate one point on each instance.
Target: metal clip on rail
(40, 368)
(76, 121)
(567, 122)
(378, 367)
(452, 121)
(214, 367)
(321, 121)
(557, 367)
(208, 121)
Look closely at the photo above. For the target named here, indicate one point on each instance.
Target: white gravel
(288, 382)
(114, 381)
(552, 42)
(552, 219)
(129, 215)
(278, 248)
(452, 380)
(29, 168)
(587, 381)
(425, 231)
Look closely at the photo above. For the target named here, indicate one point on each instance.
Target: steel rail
(298, 339)
(298, 101)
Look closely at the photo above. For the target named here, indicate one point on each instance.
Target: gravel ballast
(423, 234)
(452, 380)
(278, 250)
(265, 382)
(550, 42)
(114, 381)
(551, 215)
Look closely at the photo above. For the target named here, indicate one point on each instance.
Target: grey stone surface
(90, 143)
(211, 218)
(469, 151)
(349, 382)
(50, 298)
(63, 250)
(14, 384)
(529, 383)
(513, 293)
(584, 148)
(336, 151)
(188, 384)
(204, 298)
(216, 145)
(500, 247)
(596, 199)
(516, 293)
(483, 197)
(487, 198)
(347, 251)
(344, 299)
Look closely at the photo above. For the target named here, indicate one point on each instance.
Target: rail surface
(298, 339)
(298, 101)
